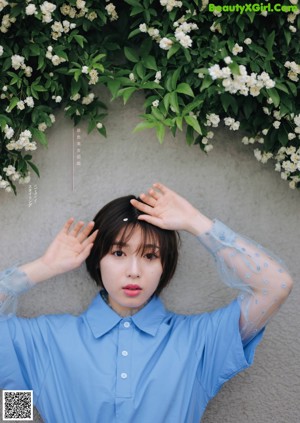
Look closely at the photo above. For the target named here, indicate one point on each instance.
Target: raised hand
(167, 209)
(67, 251)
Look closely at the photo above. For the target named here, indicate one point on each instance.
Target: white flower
(111, 11)
(9, 132)
(236, 49)
(209, 135)
(257, 154)
(21, 105)
(88, 99)
(131, 77)
(212, 120)
(143, 27)
(291, 136)
(75, 97)
(52, 118)
(29, 101)
(17, 61)
(297, 120)
(165, 43)
(155, 103)
(99, 125)
(28, 71)
(227, 60)
(30, 9)
(276, 124)
(158, 76)
(292, 28)
(9, 170)
(208, 148)
(184, 40)
(1, 51)
(58, 99)
(85, 69)
(42, 127)
(245, 140)
(80, 4)
(247, 41)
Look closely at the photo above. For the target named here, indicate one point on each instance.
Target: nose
(134, 268)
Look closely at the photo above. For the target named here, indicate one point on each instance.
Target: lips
(132, 290)
(132, 286)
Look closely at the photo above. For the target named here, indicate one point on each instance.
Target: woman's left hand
(166, 209)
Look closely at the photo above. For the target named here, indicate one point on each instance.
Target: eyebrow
(125, 244)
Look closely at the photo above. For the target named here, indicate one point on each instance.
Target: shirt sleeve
(261, 277)
(223, 354)
(13, 282)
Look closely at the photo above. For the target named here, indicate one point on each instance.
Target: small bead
(266, 264)
(283, 285)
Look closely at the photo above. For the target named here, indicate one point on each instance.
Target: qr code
(17, 405)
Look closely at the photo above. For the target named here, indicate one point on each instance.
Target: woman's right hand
(68, 250)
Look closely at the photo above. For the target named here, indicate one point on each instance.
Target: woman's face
(131, 274)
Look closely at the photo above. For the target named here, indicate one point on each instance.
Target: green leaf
(167, 101)
(175, 77)
(270, 41)
(126, 93)
(207, 82)
(34, 168)
(273, 93)
(184, 88)
(234, 67)
(189, 135)
(134, 32)
(193, 122)
(174, 102)
(173, 50)
(179, 122)
(280, 86)
(133, 2)
(140, 70)
(193, 105)
(144, 125)
(149, 62)
(113, 86)
(39, 136)
(228, 100)
(13, 103)
(151, 86)
(80, 40)
(160, 132)
(131, 54)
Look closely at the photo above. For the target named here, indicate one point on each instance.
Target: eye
(118, 253)
(151, 256)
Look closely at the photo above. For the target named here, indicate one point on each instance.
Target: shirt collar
(101, 318)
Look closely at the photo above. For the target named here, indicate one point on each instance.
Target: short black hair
(120, 217)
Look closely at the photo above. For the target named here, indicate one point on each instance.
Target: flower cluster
(243, 83)
(22, 142)
(111, 11)
(294, 70)
(182, 30)
(170, 4)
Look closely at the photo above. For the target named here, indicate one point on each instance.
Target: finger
(77, 228)
(142, 207)
(148, 199)
(161, 187)
(156, 221)
(90, 239)
(85, 253)
(154, 194)
(67, 225)
(86, 231)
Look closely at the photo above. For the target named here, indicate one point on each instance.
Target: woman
(127, 359)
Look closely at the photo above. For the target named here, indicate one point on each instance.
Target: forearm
(245, 265)
(18, 279)
(13, 282)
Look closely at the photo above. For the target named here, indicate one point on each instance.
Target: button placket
(123, 386)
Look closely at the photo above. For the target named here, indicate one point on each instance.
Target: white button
(126, 325)
(123, 375)
(125, 353)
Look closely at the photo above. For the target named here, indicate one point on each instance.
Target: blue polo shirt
(155, 366)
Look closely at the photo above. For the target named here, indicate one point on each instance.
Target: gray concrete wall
(229, 184)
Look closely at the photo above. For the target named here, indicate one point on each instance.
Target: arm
(67, 251)
(243, 264)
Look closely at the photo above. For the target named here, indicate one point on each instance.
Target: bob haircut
(119, 217)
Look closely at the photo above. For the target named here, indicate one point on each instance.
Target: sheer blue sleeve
(262, 278)
(12, 283)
